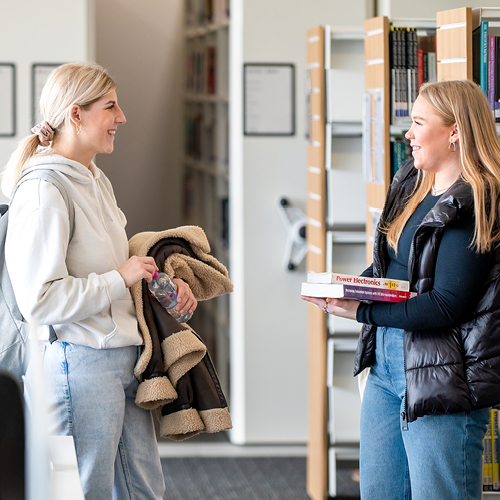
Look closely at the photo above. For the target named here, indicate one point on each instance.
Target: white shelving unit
(345, 235)
(206, 157)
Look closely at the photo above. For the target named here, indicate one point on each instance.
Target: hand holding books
(339, 294)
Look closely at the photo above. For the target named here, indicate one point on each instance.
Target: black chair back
(12, 439)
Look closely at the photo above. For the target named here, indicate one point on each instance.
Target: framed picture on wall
(7, 100)
(39, 74)
(269, 99)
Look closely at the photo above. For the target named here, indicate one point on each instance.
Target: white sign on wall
(269, 99)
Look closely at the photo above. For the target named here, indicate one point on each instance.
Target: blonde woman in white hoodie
(80, 285)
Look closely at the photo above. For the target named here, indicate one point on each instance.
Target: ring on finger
(325, 308)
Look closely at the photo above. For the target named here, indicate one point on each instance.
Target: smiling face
(429, 138)
(99, 123)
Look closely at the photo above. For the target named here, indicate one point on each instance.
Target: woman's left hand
(344, 308)
(185, 297)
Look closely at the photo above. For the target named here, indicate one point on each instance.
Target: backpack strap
(48, 175)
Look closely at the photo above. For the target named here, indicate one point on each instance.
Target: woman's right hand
(136, 269)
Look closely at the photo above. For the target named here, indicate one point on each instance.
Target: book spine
(399, 155)
(408, 39)
(414, 65)
(404, 74)
(487, 481)
(420, 67)
(431, 60)
(491, 71)
(372, 293)
(485, 465)
(392, 46)
(497, 80)
(495, 472)
(211, 70)
(399, 80)
(484, 57)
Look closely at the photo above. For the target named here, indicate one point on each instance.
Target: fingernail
(155, 275)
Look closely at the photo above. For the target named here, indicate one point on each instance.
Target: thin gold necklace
(436, 192)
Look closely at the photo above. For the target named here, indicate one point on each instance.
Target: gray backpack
(13, 329)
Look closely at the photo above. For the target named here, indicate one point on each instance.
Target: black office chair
(12, 439)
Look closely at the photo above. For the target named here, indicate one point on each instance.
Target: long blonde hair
(68, 84)
(462, 102)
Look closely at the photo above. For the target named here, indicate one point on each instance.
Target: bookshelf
(381, 127)
(336, 241)
(206, 158)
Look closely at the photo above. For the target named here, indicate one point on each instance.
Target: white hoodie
(74, 287)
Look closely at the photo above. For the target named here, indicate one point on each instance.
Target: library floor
(208, 467)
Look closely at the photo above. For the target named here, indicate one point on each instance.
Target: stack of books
(336, 285)
(412, 62)
(486, 61)
(491, 472)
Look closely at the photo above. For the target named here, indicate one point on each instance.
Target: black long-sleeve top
(458, 282)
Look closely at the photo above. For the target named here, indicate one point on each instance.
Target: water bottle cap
(155, 275)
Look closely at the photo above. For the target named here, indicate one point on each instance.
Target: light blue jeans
(91, 396)
(437, 458)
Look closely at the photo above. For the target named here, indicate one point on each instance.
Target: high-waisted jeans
(91, 396)
(437, 458)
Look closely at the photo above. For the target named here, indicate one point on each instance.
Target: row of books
(199, 138)
(486, 64)
(400, 152)
(491, 469)
(200, 12)
(412, 62)
(336, 285)
(200, 70)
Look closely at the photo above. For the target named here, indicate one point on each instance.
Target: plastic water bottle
(165, 292)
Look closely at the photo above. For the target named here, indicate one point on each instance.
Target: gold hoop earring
(454, 144)
(78, 129)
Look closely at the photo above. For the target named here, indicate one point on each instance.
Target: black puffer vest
(448, 370)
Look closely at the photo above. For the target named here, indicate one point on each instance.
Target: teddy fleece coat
(177, 376)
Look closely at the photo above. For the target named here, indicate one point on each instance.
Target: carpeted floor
(244, 478)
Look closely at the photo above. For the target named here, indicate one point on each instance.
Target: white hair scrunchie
(44, 132)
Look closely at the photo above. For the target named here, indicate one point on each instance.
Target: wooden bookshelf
(379, 89)
(454, 44)
(377, 79)
(317, 462)
(336, 240)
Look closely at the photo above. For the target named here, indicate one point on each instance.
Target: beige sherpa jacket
(176, 373)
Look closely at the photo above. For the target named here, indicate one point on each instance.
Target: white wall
(142, 44)
(40, 32)
(269, 320)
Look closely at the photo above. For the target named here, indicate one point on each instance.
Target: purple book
(491, 71)
(360, 292)
(371, 293)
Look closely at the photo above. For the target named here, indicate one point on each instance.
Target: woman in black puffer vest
(434, 359)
